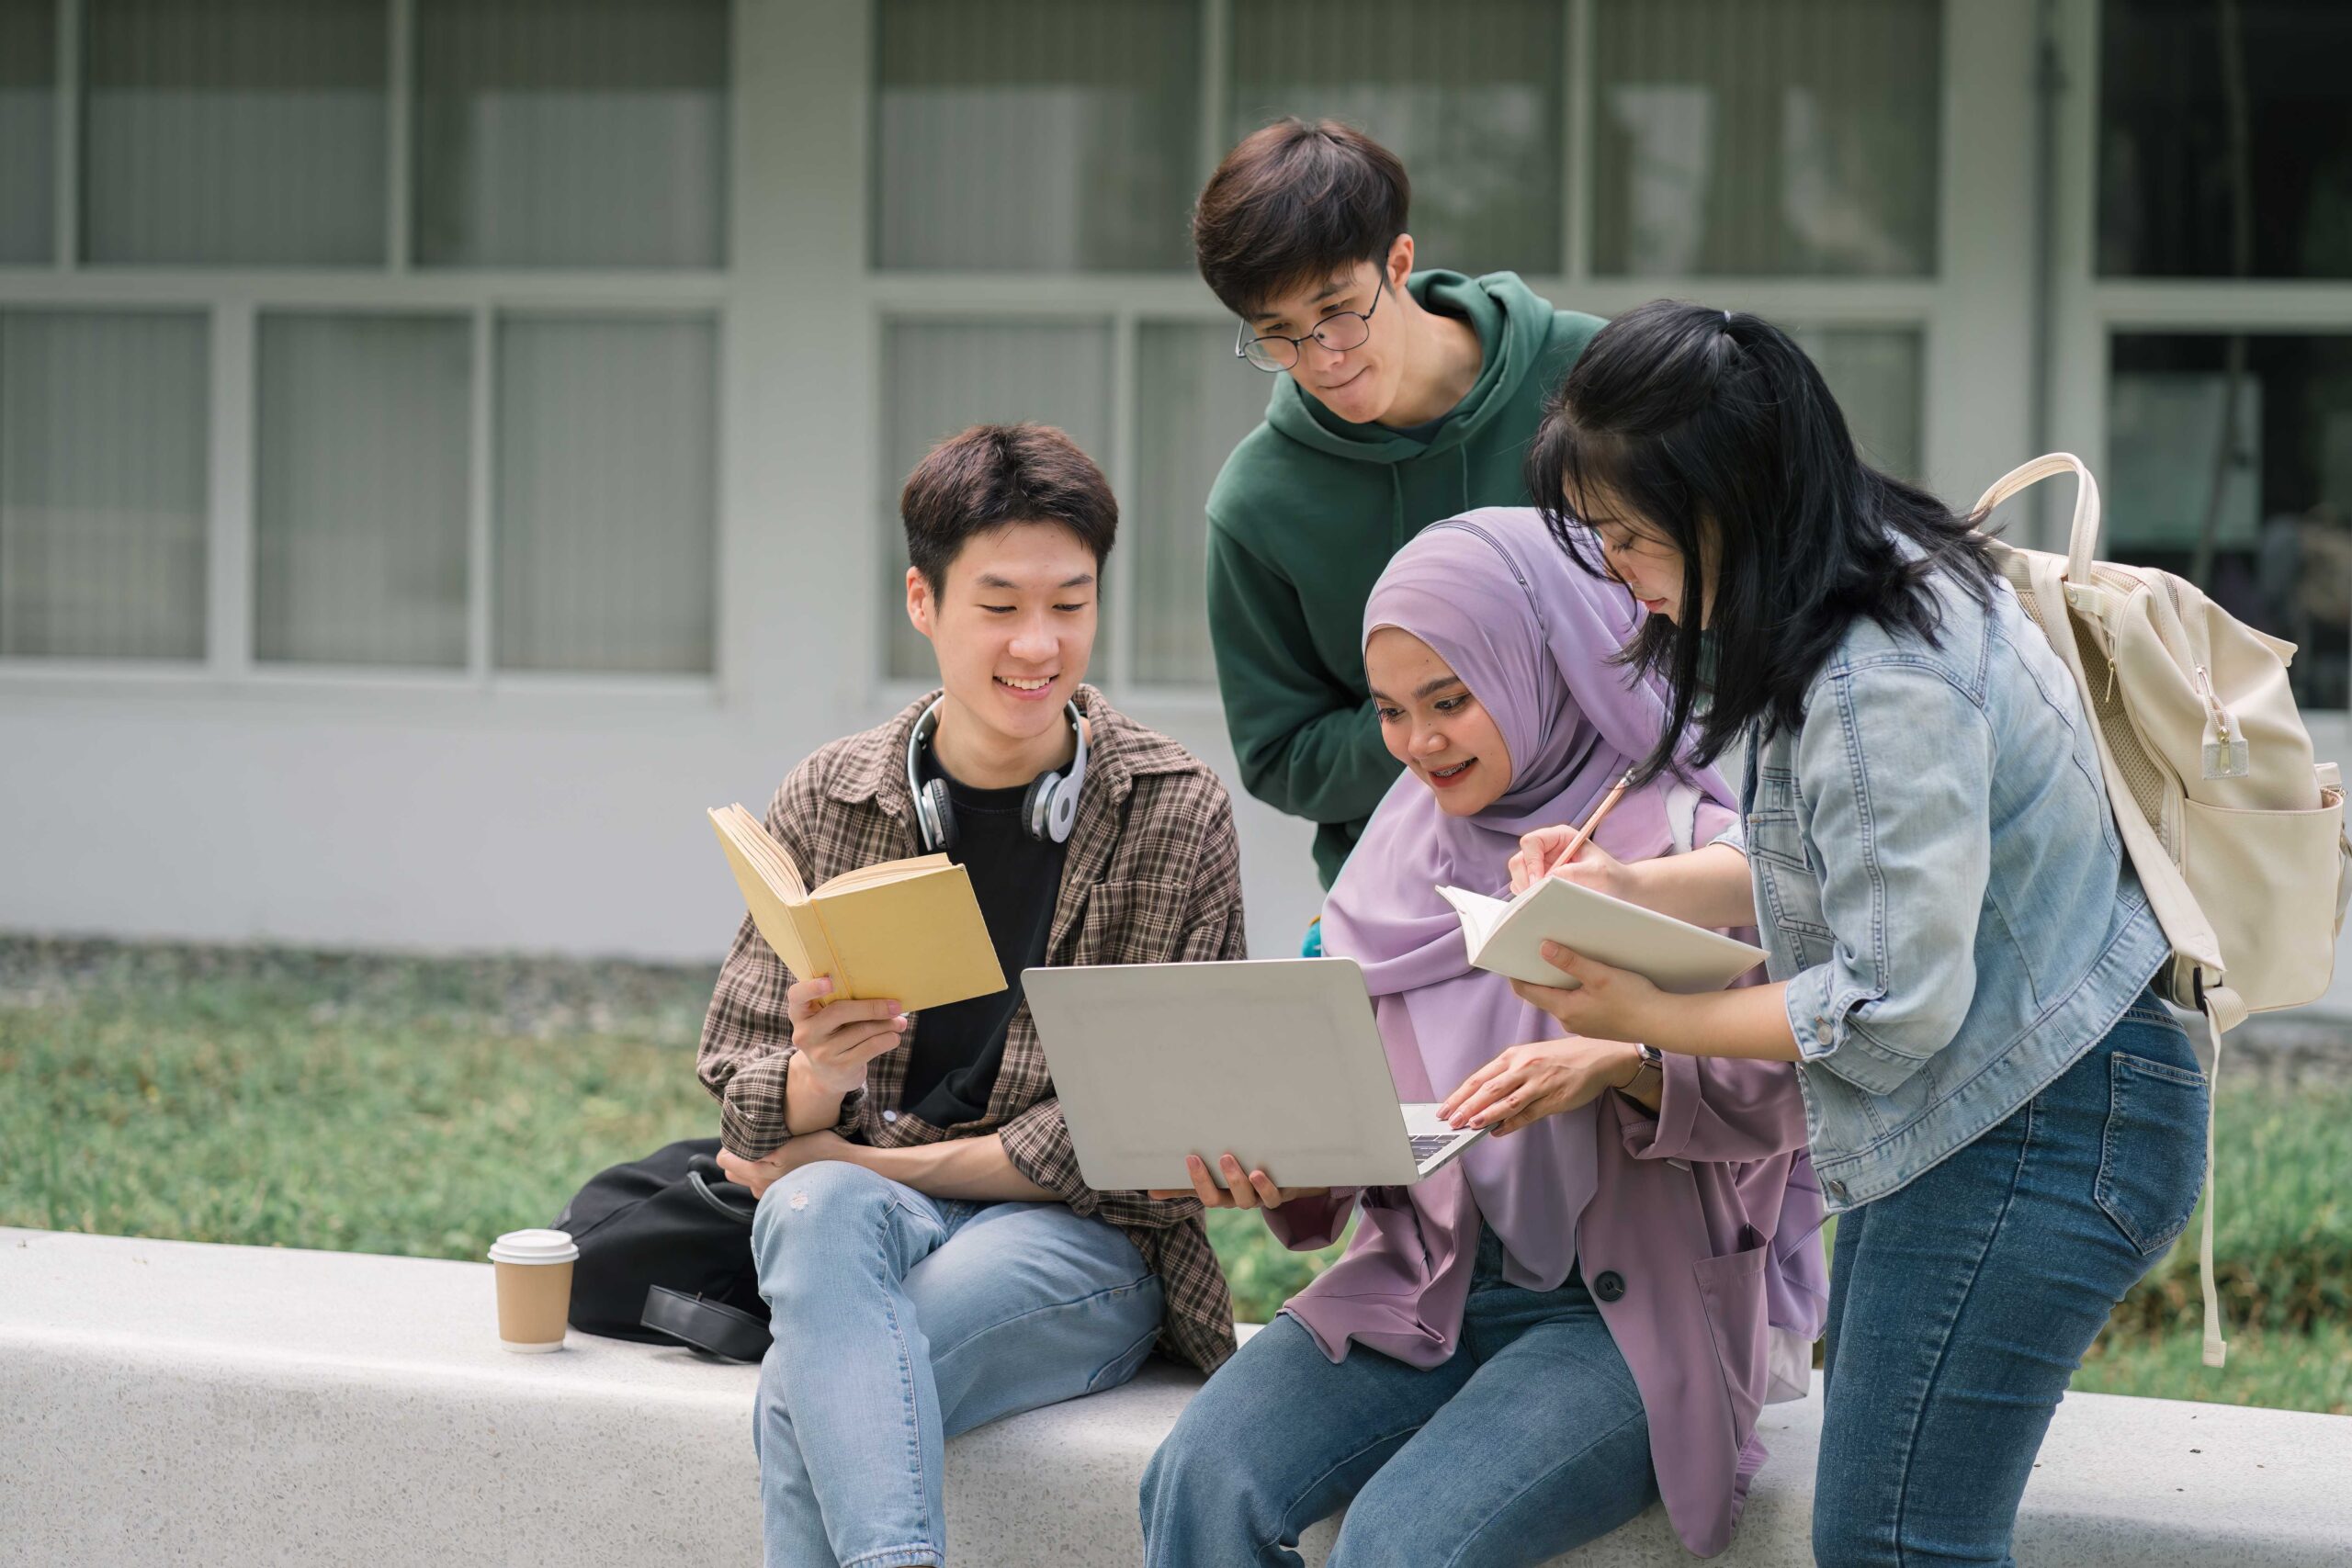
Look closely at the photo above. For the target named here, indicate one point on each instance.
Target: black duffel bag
(666, 1254)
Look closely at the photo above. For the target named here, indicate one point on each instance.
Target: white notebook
(1507, 938)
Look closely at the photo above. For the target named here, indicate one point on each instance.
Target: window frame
(232, 300)
(2089, 312)
(1974, 353)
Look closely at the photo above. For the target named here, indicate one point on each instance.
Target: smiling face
(1356, 384)
(1013, 627)
(1431, 723)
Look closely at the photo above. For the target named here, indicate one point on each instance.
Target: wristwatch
(1652, 1060)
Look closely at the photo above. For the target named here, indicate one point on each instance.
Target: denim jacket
(1939, 880)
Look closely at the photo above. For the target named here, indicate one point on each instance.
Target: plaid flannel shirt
(1153, 876)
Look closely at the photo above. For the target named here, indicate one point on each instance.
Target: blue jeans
(1961, 1303)
(1530, 1440)
(902, 1320)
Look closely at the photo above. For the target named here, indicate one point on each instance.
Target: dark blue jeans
(1530, 1440)
(1959, 1306)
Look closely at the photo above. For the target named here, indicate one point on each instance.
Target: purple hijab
(1532, 636)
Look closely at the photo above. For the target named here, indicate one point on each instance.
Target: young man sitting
(929, 1254)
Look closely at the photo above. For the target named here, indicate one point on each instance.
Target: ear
(921, 605)
(1400, 261)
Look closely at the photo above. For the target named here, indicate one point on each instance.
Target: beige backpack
(2236, 833)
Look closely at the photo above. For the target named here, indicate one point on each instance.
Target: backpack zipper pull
(2226, 755)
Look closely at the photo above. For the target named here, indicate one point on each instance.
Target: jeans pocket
(2152, 1158)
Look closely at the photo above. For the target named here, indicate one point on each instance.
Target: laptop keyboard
(1428, 1143)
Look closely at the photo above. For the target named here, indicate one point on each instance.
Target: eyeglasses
(1274, 353)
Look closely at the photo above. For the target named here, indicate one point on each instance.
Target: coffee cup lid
(534, 1246)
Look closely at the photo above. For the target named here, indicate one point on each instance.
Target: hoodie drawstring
(1395, 510)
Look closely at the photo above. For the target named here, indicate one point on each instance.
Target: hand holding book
(903, 931)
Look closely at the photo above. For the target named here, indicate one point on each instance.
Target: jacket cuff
(1038, 1142)
(1820, 1010)
(1679, 1098)
(753, 1119)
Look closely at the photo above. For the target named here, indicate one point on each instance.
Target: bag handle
(2082, 541)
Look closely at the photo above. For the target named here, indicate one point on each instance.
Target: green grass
(416, 1106)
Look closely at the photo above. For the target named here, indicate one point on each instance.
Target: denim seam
(1049, 1306)
(1926, 1396)
(1266, 1546)
(913, 1416)
(896, 1557)
(1538, 1481)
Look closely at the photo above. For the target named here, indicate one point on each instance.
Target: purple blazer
(1708, 1212)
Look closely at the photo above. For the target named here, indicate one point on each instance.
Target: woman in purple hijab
(1585, 1311)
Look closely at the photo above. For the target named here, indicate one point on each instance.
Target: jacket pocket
(1731, 1288)
(2151, 1157)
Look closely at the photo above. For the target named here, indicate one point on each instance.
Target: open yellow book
(907, 930)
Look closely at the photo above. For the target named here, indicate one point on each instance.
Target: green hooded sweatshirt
(1302, 522)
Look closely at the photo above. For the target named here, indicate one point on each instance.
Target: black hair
(992, 476)
(1715, 431)
(1296, 201)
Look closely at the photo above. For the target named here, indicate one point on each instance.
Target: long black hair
(1715, 431)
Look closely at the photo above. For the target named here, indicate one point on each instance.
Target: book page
(1668, 953)
(749, 838)
(880, 871)
(1479, 915)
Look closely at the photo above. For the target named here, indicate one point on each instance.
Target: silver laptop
(1277, 1060)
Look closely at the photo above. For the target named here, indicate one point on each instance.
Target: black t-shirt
(959, 1048)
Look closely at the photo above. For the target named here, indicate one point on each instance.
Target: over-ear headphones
(1048, 811)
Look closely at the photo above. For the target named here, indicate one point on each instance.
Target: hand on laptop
(1527, 1083)
(1252, 1189)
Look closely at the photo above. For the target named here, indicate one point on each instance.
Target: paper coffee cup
(534, 1271)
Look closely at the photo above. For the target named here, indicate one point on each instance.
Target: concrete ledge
(170, 1402)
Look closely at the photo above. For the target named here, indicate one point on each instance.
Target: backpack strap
(2082, 537)
(2224, 1010)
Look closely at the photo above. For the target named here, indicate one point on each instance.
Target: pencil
(1584, 834)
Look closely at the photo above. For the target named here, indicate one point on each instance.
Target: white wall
(549, 815)
(566, 816)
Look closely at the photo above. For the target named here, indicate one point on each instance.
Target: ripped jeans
(901, 1320)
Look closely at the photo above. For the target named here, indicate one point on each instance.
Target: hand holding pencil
(1570, 852)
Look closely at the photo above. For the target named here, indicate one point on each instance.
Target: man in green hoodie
(1401, 398)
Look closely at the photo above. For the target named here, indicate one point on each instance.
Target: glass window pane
(1797, 139)
(234, 133)
(940, 376)
(28, 131)
(2248, 495)
(1197, 403)
(1874, 375)
(102, 484)
(1036, 135)
(608, 485)
(571, 133)
(1468, 94)
(361, 521)
(2176, 182)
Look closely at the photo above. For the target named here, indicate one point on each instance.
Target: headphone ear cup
(939, 817)
(1061, 811)
(1037, 805)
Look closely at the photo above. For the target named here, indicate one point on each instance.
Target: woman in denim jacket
(2007, 1118)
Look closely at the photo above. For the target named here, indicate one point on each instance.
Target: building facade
(446, 444)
